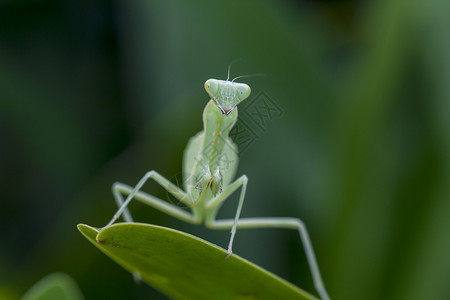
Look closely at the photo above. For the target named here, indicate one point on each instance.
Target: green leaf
(55, 286)
(186, 267)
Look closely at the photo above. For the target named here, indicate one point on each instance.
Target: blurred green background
(92, 93)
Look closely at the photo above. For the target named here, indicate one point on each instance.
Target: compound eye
(243, 92)
(211, 86)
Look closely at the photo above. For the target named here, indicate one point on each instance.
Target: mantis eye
(211, 86)
(244, 91)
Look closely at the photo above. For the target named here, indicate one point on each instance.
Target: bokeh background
(92, 93)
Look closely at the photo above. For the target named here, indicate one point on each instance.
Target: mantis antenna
(248, 75)
(229, 66)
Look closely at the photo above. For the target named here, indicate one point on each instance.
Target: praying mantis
(210, 177)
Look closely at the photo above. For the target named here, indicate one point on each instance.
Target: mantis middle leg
(287, 223)
(213, 205)
(135, 193)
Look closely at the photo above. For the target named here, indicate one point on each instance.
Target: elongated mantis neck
(217, 127)
(219, 117)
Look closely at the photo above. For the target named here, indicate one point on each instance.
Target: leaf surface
(186, 267)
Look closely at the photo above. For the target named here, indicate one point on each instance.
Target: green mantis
(210, 162)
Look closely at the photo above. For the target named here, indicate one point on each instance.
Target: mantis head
(226, 94)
